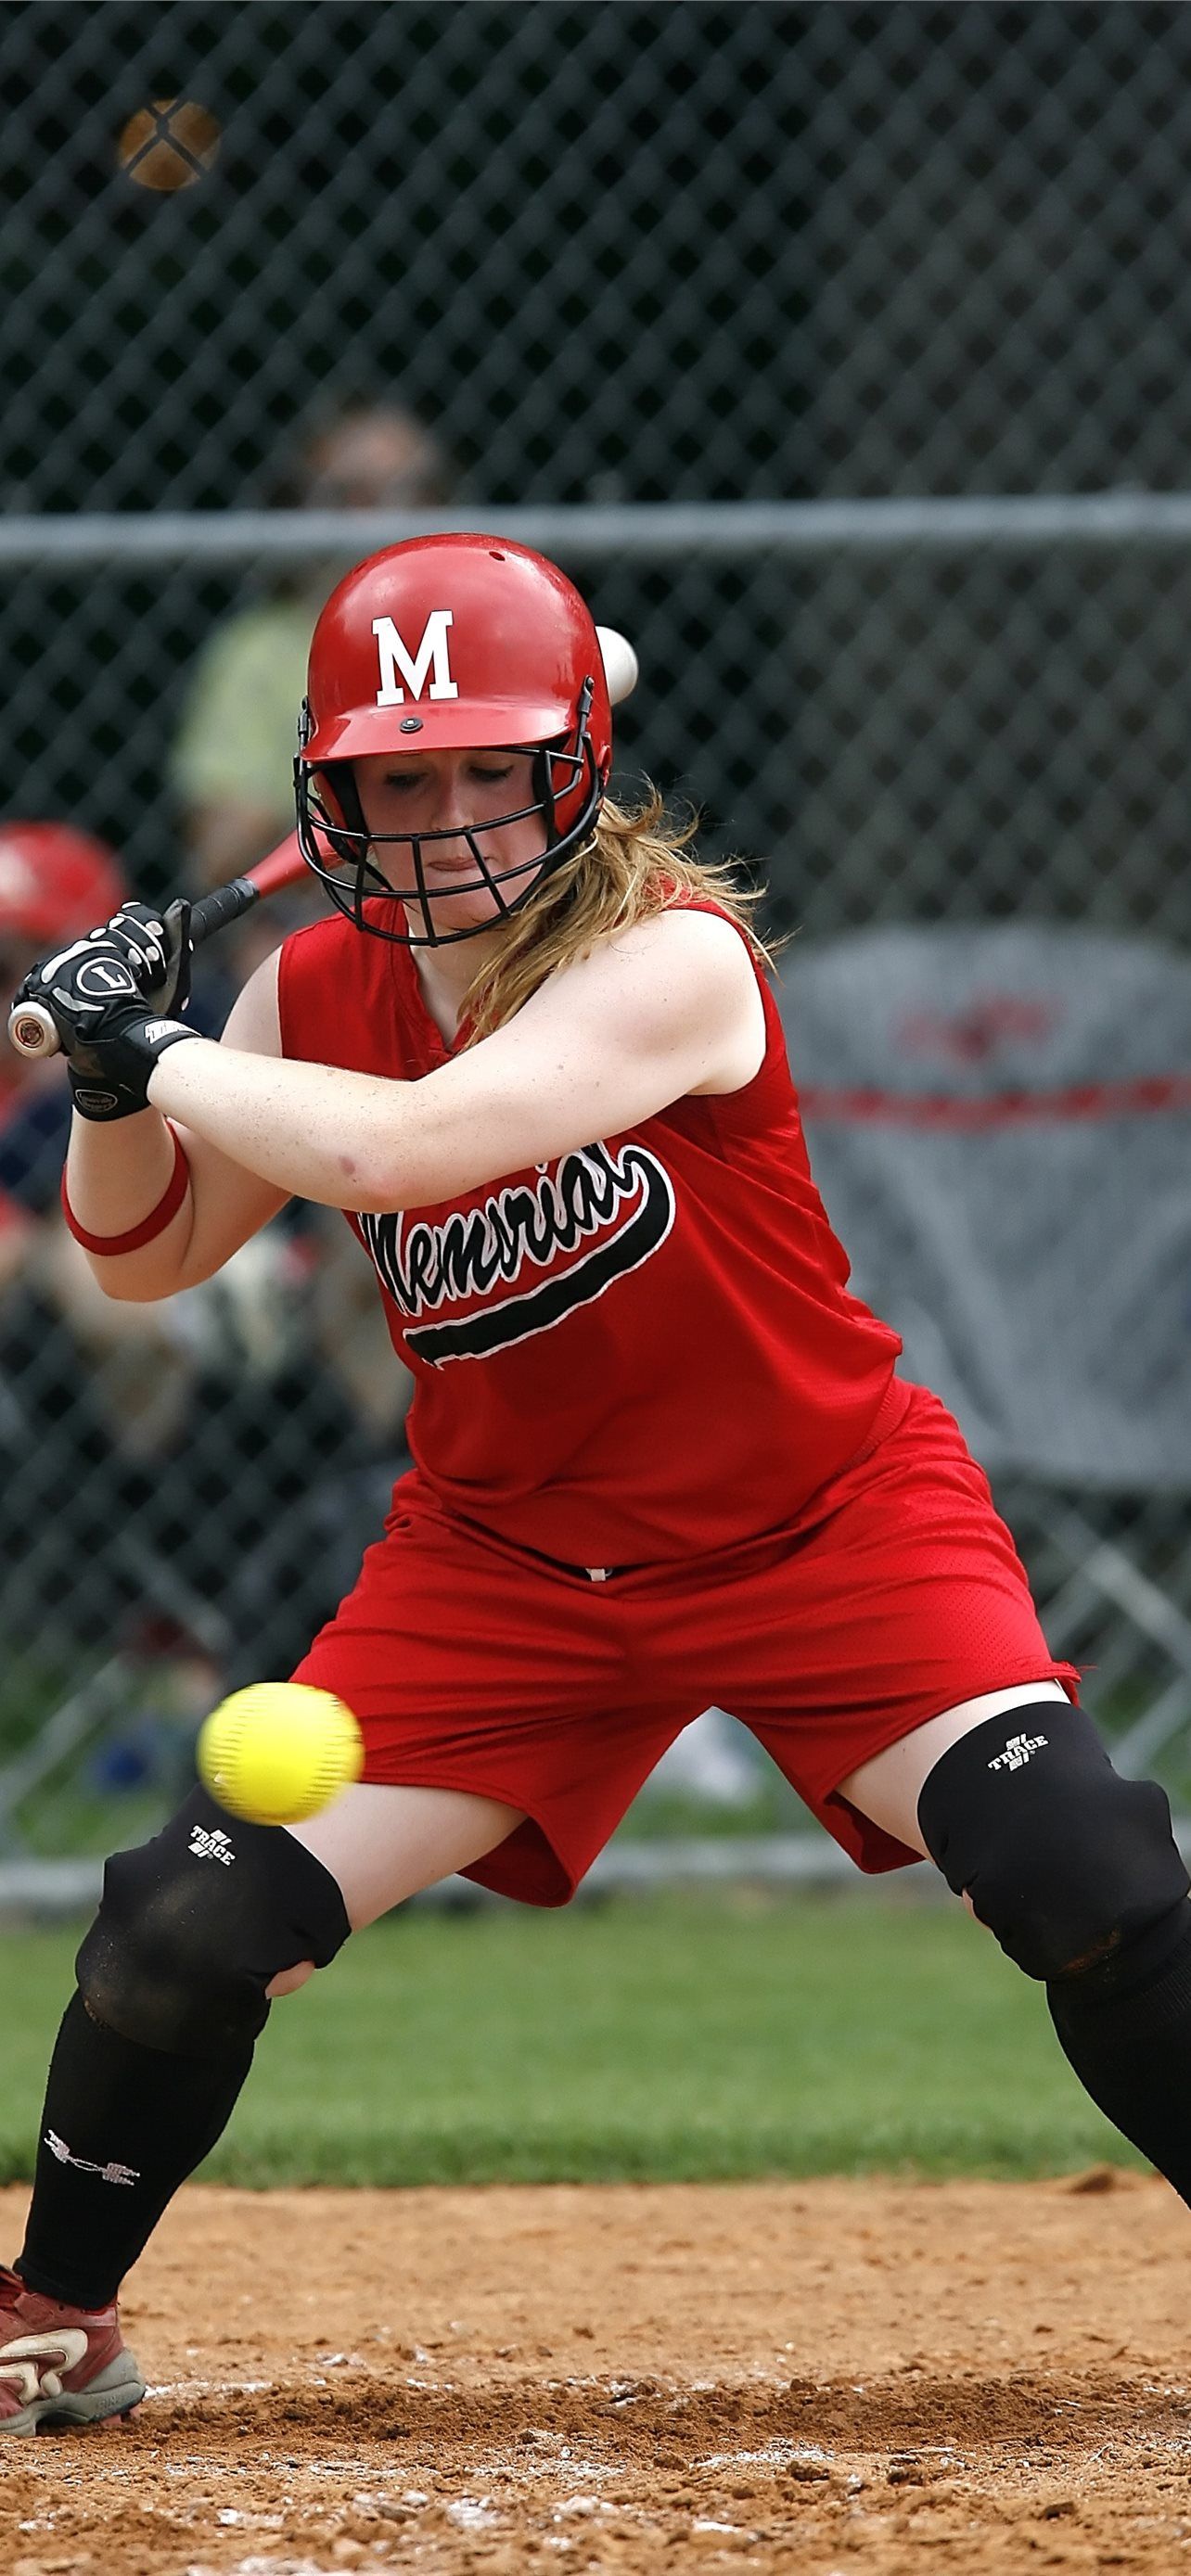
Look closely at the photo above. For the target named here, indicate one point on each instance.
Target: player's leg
(480, 1681)
(865, 1657)
(1077, 1874)
(194, 1930)
(197, 1930)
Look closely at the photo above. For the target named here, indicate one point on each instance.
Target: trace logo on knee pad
(1065, 1862)
(210, 1846)
(1017, 1751)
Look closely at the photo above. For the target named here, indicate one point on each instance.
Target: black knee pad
(193, 1926)
(1062, 1859)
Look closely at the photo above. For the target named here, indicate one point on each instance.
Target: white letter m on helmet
(394, 658)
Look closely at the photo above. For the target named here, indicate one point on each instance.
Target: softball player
(662, 1456)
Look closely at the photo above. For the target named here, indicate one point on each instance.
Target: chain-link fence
(580, 259)
(634, 254)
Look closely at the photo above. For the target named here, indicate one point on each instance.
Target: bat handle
(228, 903)
(31, 1027)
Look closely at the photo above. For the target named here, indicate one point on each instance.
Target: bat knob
(31, 1029)
(622, 670)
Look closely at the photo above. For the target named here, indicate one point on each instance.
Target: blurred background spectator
(156, 1462)
(54, 883)
(232, 765)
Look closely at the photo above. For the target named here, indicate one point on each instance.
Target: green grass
(655, 2038)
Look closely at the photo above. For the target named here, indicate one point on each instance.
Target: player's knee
(197, 1926)
(1066, 1863)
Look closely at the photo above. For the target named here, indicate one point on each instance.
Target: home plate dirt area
(818, 2375)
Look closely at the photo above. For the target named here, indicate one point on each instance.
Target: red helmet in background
(442, 644)
(55, 882)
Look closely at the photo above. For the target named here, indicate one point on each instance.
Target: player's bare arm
(666, 1009)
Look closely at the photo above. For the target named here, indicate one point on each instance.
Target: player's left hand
(112, 1033)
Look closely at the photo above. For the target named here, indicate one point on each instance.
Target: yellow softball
(279, 1751)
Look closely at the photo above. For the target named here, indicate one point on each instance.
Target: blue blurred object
(129, 1761)
(33, 1144)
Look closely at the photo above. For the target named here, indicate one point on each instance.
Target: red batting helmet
(55, 882)
(451, 643)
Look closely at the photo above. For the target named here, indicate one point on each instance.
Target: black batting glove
(110, 1066)
(111, 1035)
(103, 1100)
(159, 950)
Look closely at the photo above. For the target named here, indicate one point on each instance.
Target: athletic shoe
(60, 2365)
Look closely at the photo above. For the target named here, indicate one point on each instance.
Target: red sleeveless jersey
(643, 1350)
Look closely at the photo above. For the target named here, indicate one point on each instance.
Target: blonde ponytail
(635, 865)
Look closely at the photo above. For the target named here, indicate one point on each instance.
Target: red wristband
(150, 1226)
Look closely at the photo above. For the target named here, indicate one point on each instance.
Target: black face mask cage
(557, 772)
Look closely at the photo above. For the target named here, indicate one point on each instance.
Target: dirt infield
(823, 2376)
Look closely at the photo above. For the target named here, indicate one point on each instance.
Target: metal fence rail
(654, 532)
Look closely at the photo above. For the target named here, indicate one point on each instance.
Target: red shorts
(474, 1664)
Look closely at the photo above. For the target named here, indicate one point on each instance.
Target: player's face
(454, 792)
